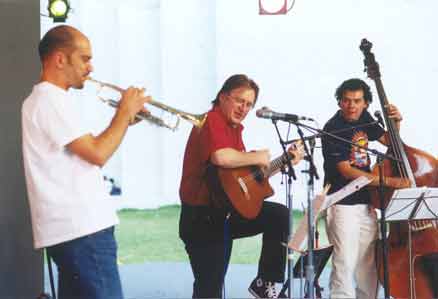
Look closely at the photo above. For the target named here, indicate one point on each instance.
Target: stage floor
(174, 280)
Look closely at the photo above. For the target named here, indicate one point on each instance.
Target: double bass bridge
(420, 225)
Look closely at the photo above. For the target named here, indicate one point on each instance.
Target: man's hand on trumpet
(132, 102)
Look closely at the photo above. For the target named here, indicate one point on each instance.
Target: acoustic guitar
(246, 187)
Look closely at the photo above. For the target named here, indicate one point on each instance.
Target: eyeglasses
(246, 104)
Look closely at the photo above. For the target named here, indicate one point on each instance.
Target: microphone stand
(383, 217)
(310, 196)
(310, 269)
(380, 157)
(319, 135)
(291, 175)
(383, 228)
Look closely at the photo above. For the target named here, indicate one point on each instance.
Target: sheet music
(320, 203)
(348, 189)
(404, 203)
(300, 236)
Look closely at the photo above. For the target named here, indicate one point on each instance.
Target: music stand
(320, 257)
(413, 204)
(409, 205)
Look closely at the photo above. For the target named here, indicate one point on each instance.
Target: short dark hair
(237, 81)
(60, 37)
(352, 85)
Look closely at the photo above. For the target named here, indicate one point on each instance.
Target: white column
(140, 65)
(188, 53)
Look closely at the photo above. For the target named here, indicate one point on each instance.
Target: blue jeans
(87, 267)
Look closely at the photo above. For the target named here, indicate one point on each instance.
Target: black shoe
(262, 289)
(282, 295)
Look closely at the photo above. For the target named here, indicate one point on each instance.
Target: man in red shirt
(208, 244)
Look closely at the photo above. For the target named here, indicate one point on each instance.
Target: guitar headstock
(371, 65)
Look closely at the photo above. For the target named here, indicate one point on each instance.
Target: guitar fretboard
(278, 163)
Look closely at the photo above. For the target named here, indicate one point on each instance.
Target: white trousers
(352, 230)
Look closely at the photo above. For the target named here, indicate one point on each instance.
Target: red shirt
(215, 134)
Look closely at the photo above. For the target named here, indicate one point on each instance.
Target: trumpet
(196, 119)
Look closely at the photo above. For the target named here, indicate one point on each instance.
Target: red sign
(274, 7)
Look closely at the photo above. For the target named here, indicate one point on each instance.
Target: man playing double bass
(351, 223)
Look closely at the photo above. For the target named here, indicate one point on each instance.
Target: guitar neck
(277, 164)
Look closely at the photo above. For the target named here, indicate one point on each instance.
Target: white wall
(188, 52)
(184, 50)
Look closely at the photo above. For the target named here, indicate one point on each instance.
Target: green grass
(152, 235)
(149, 235)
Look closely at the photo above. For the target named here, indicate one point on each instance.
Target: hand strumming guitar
(297, 150)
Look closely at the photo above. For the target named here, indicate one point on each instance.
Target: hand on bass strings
(393, 113)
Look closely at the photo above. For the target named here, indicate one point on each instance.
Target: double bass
(413, 266)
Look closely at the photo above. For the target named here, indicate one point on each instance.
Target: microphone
(378, 115)
(265, 112)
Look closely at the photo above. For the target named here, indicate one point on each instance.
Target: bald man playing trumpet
(70, 215)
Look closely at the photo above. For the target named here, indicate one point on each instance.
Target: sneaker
(262, 289)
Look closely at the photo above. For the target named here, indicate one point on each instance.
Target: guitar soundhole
(257, 174)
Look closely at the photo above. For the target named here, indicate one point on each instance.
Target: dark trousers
(87, 267)
(202, 230)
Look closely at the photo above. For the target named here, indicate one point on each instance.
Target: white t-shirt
(66, 193)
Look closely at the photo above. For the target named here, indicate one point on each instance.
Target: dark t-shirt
(335, 151)
(215, 134)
